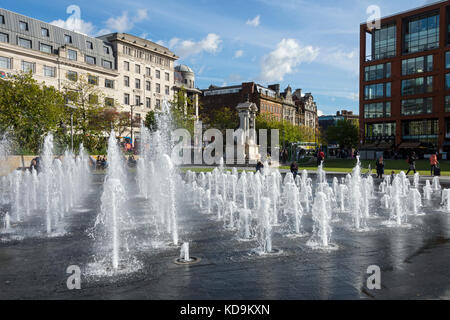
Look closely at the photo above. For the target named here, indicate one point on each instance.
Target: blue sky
(308, 44)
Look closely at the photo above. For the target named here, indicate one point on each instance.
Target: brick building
(284, 105)
(405, 80)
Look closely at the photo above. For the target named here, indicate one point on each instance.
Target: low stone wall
(14, 162)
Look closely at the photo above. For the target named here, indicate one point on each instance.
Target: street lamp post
(131, 120)
(72, 107)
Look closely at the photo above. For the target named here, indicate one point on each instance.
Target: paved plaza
(413, 262)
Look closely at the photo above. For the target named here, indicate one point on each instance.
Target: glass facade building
(405, 84)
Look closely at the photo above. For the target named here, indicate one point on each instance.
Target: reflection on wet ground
(414, 261)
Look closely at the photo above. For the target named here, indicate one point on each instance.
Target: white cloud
(319, 112)
(254, 22)
(74, 21)
(124, 23)
(184, 48)
(281, 61)
(340, 59)
(238, 54)
(141, 15)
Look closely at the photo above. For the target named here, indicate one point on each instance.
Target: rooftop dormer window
(23, 26)
(67, 38)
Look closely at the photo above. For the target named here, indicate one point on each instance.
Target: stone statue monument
(247, 116)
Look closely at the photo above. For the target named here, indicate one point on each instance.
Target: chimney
(298, 93)
(276, 88)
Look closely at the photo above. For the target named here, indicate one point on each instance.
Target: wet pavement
(414, 261)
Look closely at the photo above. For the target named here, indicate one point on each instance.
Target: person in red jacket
(320, 157)
(433, 162)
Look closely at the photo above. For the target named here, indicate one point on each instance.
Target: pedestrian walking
(433, 163)
(320, 157)
(412, 163)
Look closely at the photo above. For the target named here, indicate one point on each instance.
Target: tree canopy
(29, 110)
(345, 133)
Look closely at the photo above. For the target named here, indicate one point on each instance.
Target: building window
(67, 38)
(2, 19)
(377, 110)
(417, 86)
(148, 103)
(167, 90)
(417, 65)
(158, 88)
(72, 55)
(72, 75)
(377, 91)
(126, 81)
(109, 83)
(25, 43)
(158, 103)
(420, 130)
(148, 86)
(4, 37)
(167, 76)
(447, 104)
(126, 66)
(89, 45)
(90, 60)
(447, 58)
(23, 26)
(105, 50)
(137, 83)
(375, 131)
(377, 72)
(447, 81)
(45, 48)
(93, 80)
(109, 102)
(44, 32)
(158, 74)
(148, 72)
(6, 63)
(422, 33)
(137, 101)
(126, 99)
(417, 106)
(137, 69)
(28, 66)
(49, 71)
(107, 64)
(384, 42)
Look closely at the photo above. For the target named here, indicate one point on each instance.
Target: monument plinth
(247, 116)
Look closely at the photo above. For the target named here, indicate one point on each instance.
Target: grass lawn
(339, 165)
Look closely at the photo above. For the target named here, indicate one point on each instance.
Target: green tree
(221, 119)
(183, 111)
(89, 125)
(150, 121)
(30, 110)
(288, 132)
(345, 133)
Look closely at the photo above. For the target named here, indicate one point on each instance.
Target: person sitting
(259, 166)
(33, 165)
(380, 168)
(131, 161)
